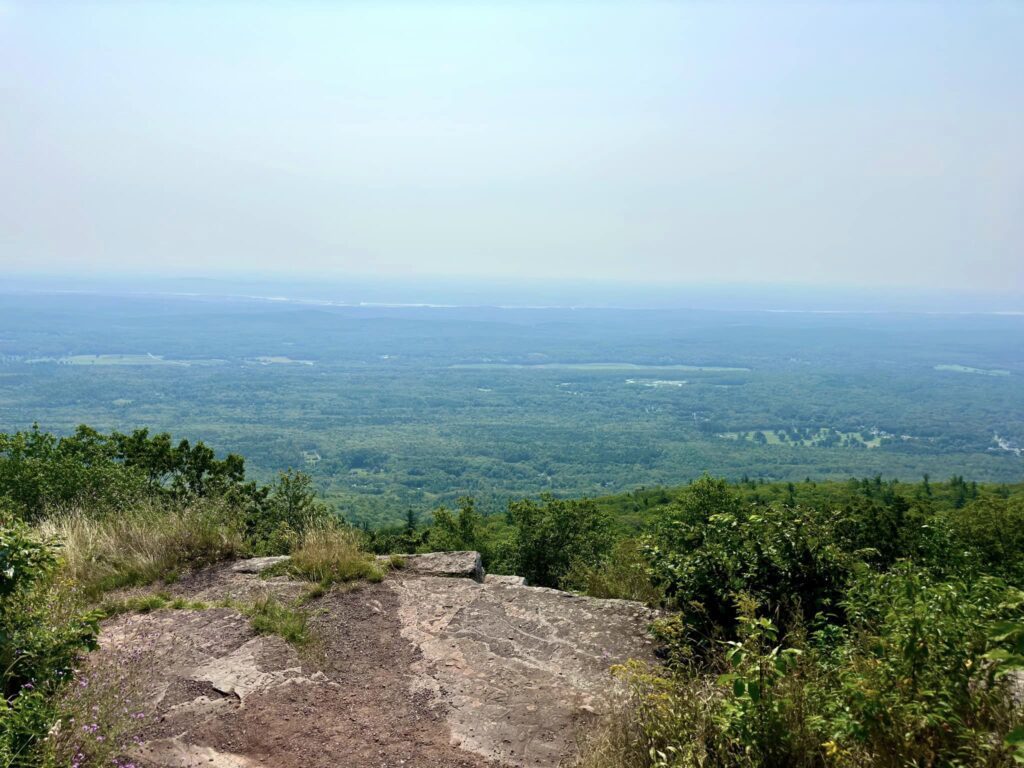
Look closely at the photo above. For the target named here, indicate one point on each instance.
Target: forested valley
(391, 408)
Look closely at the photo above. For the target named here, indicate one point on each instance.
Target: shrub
(865, 637)
(624, 574)
(42, 633)
(39, 472)
(992, 528)
(913, 675)
(277, 516)
(552, 535)
(25, 720)
(912, 680)
(711, 546)
(662, 721)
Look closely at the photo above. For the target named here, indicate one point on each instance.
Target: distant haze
(857, 144)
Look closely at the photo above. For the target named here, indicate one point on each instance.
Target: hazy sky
(827, 142)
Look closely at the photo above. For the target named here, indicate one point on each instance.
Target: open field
(595, 367)
(821, 438)
(969, 369)
(116, 359)
(657, 383)
(280, 360)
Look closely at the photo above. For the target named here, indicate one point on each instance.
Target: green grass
(131, 360)
(148, 603)
(269, 616)
(331, 557)
(314, 593)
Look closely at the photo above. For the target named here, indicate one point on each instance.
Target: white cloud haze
(845, 143)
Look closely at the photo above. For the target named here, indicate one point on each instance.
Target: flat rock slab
(216, 694)
(522, 671)
(465, 565)
(258, 564)
(416, 671)
(176, 753)
(241, 581)
(516, 581)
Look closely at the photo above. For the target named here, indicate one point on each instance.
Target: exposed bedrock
(436, 666)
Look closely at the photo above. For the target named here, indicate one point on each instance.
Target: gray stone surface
(258, 564)
(466, 565)
(493, 578)
(420, 670)
(520, 670)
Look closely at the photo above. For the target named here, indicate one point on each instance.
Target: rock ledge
(460, 565)
(434, 667)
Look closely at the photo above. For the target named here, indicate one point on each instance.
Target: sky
(872, 144)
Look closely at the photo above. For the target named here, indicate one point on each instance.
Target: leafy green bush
(866, 634)
(913, 672)
(40, 472)
(763, 708)
(42, 633)
(991, 528)
(913, 680)
(711, 545)
(550, 536)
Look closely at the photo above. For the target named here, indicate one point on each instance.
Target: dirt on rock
(415, 671)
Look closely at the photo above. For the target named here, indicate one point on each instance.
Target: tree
(552, 535)
(183, 469)
(278, 514)
(993, 529)
(454, 533)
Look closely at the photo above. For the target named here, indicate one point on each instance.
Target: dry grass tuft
(146, 545)
(331, 554)
(615, 742)
(658, 720)
(624, 575)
